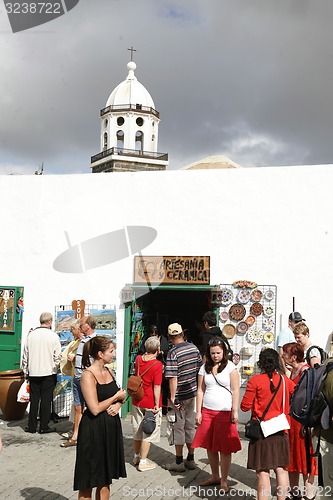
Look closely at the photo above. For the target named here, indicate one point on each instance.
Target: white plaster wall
(270, 225)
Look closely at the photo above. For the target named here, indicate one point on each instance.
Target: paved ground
(36, 467)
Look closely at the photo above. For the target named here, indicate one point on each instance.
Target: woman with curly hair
(217, 412)
(271, 452)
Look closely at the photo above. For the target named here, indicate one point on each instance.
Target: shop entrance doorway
(162, 306)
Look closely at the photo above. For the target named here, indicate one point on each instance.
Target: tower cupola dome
(130, 91)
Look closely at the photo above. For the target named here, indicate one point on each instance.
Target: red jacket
(258, 395)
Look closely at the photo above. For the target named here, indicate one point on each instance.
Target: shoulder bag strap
(148, 368)
(271, 401)
(224, 387)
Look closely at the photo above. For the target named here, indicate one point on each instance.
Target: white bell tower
(129, 129)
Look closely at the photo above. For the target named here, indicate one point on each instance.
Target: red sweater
(258, 395)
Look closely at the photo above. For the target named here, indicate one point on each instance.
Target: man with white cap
(181, 369)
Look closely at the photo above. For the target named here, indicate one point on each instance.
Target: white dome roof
(130, 91)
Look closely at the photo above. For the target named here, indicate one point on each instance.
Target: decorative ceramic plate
(268, 337)
(268, 311)
(242, 327)
(229, 331)
(247, 350)
(243, 296)
(248, 370)
(254, 335)
(244, 284)
(256, 308)
(256, 295)
(237, 312)
(269, 295)
(236, 358)
(226, 296)
(224, 316)
(250, 320)
(268, 324)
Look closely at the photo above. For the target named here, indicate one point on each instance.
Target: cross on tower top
(132, 50)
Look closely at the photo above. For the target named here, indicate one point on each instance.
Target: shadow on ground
(39, 493)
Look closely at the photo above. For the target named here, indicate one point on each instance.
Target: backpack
(308, 403)
(309, 406)
(135, 384)
(323, 354)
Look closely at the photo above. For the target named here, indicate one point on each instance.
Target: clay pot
(10, 382)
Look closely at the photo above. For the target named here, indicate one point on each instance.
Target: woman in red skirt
(293, 355)
(217, 412)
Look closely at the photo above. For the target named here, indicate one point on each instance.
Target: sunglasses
(215, 342)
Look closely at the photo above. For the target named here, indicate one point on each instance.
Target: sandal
(67, 435)
(67, 444)
(211, 482)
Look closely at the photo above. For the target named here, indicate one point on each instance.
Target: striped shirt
(78, 358)
(184, 361)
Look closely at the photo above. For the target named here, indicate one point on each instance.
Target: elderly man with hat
(182, 365)
(286, 335)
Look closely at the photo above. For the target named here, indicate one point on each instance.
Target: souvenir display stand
(247, 317)
(105, 316)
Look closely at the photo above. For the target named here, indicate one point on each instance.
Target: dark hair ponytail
(269, 362)
(93, 347)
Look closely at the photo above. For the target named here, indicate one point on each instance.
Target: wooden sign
(78, 306)
(172, 270)
(7, 297)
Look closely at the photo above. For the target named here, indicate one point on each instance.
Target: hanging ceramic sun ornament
(268, 311)
(226, 296)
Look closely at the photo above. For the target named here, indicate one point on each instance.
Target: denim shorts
(77, 393)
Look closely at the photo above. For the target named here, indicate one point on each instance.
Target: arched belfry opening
(129, 129)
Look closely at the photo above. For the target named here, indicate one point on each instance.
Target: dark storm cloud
(248, 79)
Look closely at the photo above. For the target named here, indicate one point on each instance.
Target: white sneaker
(136, 460)
(149, 465)
(175, 467)
(190, 464)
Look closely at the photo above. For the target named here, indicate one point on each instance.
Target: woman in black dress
(100, 450)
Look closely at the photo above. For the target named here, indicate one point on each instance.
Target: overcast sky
(249, 79)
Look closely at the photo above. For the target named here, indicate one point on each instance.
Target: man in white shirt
(286, 335)
(40, 360)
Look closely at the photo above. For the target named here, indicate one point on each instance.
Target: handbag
(276, 424)
(148, 422)
(23, 395)
(253, 430)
